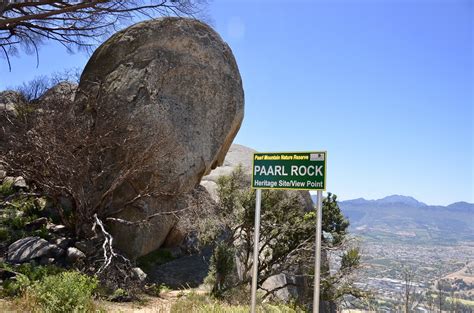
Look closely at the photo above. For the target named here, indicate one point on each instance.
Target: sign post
(256, 241)
(317, 259)
(288, 170)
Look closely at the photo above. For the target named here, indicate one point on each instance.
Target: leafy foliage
(6, 188)
(26, 275)
(65, 292)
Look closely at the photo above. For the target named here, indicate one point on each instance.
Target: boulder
(278, 283)
(165, 97)
(139, 273)
(29, 248)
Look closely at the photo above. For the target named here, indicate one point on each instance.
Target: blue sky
(386, 87)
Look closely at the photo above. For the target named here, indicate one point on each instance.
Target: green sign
(289, 170)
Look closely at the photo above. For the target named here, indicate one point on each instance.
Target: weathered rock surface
(167, 96)
(30, 248)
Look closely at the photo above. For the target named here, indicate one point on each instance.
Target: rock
(62, 91)
(284, 294)
(169, 91)
(3, 174)
(73, 255)
(30, 248)
(20, 182)
(36, 224)
(57, 229)
(141, 275)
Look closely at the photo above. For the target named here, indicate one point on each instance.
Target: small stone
(3, 174)
(57, 229)
(139, 273)
(20, 182)
(74, 255)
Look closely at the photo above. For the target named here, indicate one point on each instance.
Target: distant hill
(402, 218)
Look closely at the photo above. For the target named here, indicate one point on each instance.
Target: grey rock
(57, 229)
(3, 174)
(284, 294)
(20, 182)
(29, 248)
(170, 92)
(73, 255)
(139, 273)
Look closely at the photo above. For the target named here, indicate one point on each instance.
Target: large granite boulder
(164, 98)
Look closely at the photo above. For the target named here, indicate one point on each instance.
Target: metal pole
(256, 240)
(317, 265)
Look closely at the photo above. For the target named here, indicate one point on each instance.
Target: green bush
(65, 292)
(221, 266)
(6, 189)
(27, 274)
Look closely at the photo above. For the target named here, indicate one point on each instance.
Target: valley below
(407, 245)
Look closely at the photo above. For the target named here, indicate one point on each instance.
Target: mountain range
(403, 218)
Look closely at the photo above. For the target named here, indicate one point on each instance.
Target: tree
(287, 236)
(77, 24)
(411, 298)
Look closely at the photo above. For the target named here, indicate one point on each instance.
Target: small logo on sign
(316, 156)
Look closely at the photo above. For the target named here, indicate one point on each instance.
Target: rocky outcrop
(31, 248)
(165, 97)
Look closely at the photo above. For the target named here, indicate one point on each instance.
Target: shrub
(65, 292)
(27, 274)
(6, 189)
(221, 266)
